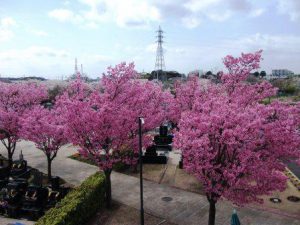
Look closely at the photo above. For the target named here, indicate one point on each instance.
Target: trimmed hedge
(79, 205)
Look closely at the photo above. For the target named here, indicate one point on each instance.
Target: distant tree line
(287, 86)
(12, 79)
(162, 75)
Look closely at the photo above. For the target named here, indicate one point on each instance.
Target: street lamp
(141, 121)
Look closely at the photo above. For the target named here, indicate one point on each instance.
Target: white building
(281, 73)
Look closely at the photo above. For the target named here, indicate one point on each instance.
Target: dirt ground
(286, 205)
(171, 175)
(124, 215)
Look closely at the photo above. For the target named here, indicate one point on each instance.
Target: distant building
(168, 75)
(197, 73)
(281, 73)
(77, 73)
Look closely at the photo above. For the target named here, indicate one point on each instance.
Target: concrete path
(8, 221)
(70, 170)
(184, 208)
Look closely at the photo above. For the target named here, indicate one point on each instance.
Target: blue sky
(42, 38)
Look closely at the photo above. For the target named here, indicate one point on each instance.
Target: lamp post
(141, 121)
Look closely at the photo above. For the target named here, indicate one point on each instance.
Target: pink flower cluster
(15, 101)
(46, 128)
(233, 143)
(104, 124)
(236, 146)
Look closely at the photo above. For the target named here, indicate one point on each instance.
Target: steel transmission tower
(160, 61)
(81, 70)
(76, 68)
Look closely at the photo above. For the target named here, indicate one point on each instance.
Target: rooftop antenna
(160, 62)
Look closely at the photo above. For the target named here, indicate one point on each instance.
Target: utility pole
(160, 61)
(141, 122)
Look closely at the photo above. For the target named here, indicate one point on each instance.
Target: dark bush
(79, 205)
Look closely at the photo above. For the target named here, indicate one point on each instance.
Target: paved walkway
(8, 221)
(185, 207)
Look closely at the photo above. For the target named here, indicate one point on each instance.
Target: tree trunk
(10, 159)
(49, 161)
(108, 188)
(135, 168)
(10, 150)
(212, 213)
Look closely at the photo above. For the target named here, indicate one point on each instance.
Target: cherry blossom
(235, 145)
(15, 99)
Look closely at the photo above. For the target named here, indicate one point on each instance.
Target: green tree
(263, 74)
(256, 74)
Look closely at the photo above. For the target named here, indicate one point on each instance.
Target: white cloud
(277, 44)
(151, 48)
(64, 15)
(257, 12)
(179, 51)
(66, 3)
(6, 35)
(33, 60)
(141, 13)
(279, 51)
(132, 12)
(61, 14)
(197, 6)
(40, 33)
(8, 22)
(97, 58)
(211, 9)
(32, 53)
(6, 28)
(215, 10)
(49, 62)
(220, 17)
(129, 13)
(291, 8)
(191, 22)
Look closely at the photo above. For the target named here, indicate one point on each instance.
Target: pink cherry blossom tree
(104, 124)
(234, 145)
(44, 127)
(15, 99)
(185, 94)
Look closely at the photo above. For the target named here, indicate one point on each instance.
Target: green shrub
(290, 89)
(296, 98)
(79, 205)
